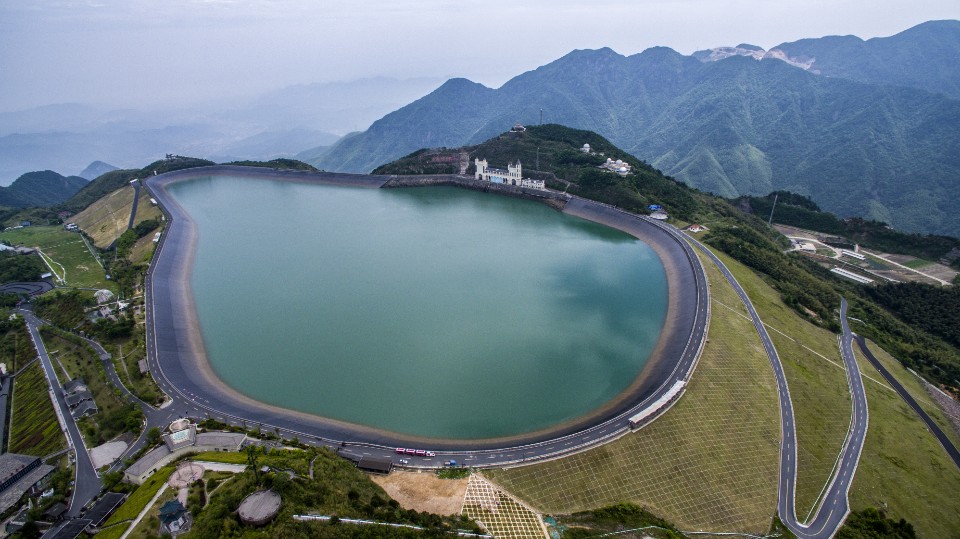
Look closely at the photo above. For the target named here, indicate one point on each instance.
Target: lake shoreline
(180, 358)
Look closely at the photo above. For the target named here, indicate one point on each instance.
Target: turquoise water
(435, 312)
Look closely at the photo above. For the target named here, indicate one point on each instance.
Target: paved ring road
(170, 347)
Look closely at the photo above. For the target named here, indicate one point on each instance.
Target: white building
(512, 176)
(617, 166)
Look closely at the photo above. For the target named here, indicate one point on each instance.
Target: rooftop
(148, 461)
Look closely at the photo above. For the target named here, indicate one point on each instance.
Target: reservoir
(434, 312)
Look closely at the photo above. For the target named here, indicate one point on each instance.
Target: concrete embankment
(551, 198)
(178, 358)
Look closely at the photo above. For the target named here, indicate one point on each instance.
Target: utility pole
(775, 197)
(541, 116)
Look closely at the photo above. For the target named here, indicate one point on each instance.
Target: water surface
(436, 312)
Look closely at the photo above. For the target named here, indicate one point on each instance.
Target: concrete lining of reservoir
(178, 360)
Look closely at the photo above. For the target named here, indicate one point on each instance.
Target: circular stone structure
(185, 475)
(259, 508)
(178, 360)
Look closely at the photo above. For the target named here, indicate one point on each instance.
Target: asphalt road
(835, 505)
(87, 483)
(171, 351)
(934, 428)
(154, 417)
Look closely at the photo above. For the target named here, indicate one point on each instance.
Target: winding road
(835, 504)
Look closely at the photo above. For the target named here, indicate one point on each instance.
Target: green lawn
(903, 469)
(709, 463)
(34, 429)
(140, 497)
(917, 263)
(66, 253)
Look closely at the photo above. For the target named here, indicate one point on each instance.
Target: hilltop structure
(513, 175)
(617, 166)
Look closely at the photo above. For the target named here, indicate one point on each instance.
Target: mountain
(41, 188)
(923, 57)
(96, 169)
(732, 126)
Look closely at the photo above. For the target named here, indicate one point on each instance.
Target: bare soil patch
(424, 491)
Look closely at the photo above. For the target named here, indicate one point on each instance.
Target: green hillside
(41, 188)
(731, 127)
(923, 57)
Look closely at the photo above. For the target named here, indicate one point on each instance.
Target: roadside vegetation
(34, 429)
(16, 347)
(16, 267)
(614, 519)
(277, 164)
(871, 523)
(817, 381)
(74, 358)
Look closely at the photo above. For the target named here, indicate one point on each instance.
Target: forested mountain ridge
(923, 57)
(40, 188)
(734, 126)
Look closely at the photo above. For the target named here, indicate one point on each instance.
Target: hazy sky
(143, 52)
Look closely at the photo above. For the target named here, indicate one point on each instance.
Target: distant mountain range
(868, 128)
(96, 169)
(41, 188)
(66, 137)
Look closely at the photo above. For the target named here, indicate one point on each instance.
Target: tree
(253, 460)
(153, 436)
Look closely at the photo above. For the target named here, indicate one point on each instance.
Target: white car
(404, 461)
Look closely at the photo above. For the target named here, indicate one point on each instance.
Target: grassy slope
(913, 385)
(34, 429)
(65, 248)
(903, 469)
(708, 463)
(107, 218)
(817, 382)
(138, 500)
